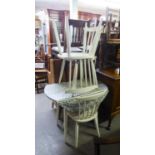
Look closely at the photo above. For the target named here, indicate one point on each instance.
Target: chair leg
(58, 113)
(81, 72)
(65, 125)
(97, 149)
(76, 134)
(97, 126)
(75, 75)
(94, 73)
(62, 70)
(70, 73)
(52, 104)
(36, 85)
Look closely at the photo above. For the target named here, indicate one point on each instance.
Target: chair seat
(73, 49)
(75, 117)
(81, 90)
(75, 56)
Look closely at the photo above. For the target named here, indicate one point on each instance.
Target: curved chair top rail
(84, 106)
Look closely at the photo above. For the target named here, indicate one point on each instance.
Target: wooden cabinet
(88, 15)
(108, 62)
(111, 105)
(59, 17)
(113, 23)
(108, 55)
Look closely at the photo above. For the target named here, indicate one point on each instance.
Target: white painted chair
(86, 97)
(84, 62)
(82, 109)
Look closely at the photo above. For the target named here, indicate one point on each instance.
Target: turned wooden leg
(97, 149)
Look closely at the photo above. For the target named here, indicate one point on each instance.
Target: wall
(92, 6)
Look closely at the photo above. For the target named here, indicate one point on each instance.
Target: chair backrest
(91, 38)
(57, 37)
(85, 106)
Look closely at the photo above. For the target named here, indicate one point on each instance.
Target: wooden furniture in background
(108, 64)
(109, 48)
(109, 53)
(41, 78)
(42, 71)
(88, 16)
(113, 23)
(111, 78)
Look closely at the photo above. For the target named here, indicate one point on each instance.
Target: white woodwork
(73, 7)
(83, 60)
(57, 36)
(62, 70)
(81, 108)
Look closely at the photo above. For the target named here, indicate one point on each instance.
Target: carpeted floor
(49, 139)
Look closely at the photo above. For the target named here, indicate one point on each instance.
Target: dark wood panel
(110, 106)
(109, 53)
